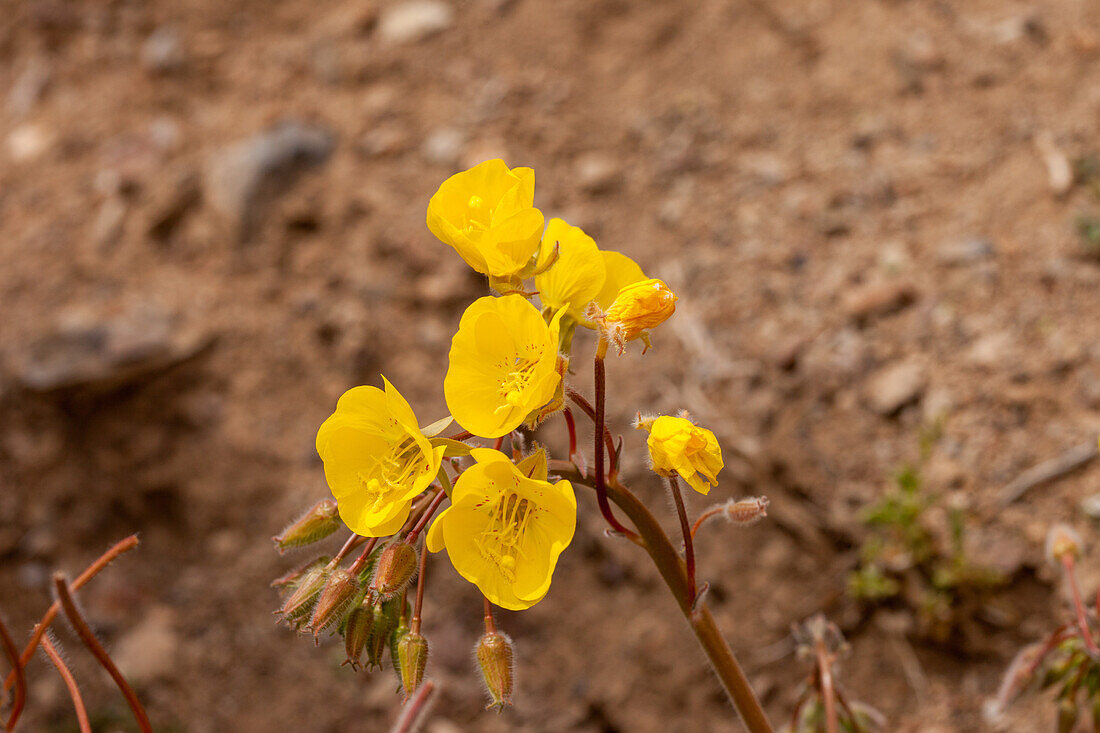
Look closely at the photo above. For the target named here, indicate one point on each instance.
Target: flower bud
(638, 308)
(395, 567)
(301, 602)
(317, 523)
(494, 657)
(412, 656)
(294, 578)
(356, 633)
(1062, 542)
(386, 619)
(334, 599)
(746, 511)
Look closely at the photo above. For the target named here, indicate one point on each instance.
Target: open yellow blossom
(636, 309)
(677, 445)
(503, 365)
(487, 214)
(620, 271)
(576, 278)
(376, 459)
(504, 530)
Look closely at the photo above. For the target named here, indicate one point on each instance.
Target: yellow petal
(576, 278)
(620, 271)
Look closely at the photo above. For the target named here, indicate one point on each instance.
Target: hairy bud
(1062, 542)
(302, 601)
(412, 656)
(386, 619)
(747, 511)
(494, 658)
(293, 579)
(356, 633)
(317, 523)
(334, 599)
(395, 567)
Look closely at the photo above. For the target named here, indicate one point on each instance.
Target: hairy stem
(825, 678)
(414, 625)
(70, 682)
(80, 626)
(1078, 607)
(685, 529)
(20, 698)
(415, 709)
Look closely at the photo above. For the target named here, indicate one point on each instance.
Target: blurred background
(883, 221)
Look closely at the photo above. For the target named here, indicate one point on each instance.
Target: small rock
(598, 173)
(991, 350)
(28, 141)
(96, 353)
(965, 251)
(107, 228)
(171, 202)
(415, 20)
(1059, 169)
(1090, 505)
(28, 87)
(895, 386)
(878, 299)
(444, 146)
(163, 51)
(149, 650)
(246, 177)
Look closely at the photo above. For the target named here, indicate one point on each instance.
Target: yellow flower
(487, 214)
(504, 531)
(637, 308)
(620, 271)
(503, 365)
(677, 445)
(376, 459)
(576, 278)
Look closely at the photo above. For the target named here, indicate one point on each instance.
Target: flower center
(478, 215)
(500, 541)
(516, 381)
(389, 473)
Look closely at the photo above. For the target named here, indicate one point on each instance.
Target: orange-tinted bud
(395, 567)
(317, 523)
(334, 599)
(302, 601)
(412, 657)
(638, 308)
(494, 658)
(356, 633)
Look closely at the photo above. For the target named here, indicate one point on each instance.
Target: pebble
(243, 179)
(598, 173)
(92, 352)
(895, 386)
(149, 650)
(162, 52)
(878, 299)
(29, 87)
(415, 20)
(965, 251)
(444, 146)
(991, 350)
(28, 141)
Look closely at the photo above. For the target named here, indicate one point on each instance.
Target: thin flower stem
(51, 613)
(685, 529)
(415, 708)
(498, 443)
(364, 556)
(490, 624)
(598, 447)
(464, 435)
(414, 625)
(708, 514)
(825, 678)
(571, 426)
(674, 573)
(353, 542)
(20, 697)
(579, 400)
(70, 682)
(1078, 607)
(426, 516)
(92, 643)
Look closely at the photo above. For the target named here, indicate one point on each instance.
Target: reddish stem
(464, 435)
(427, 515)
(490, 624)
(51, 613)
(498, 443)
(20, 678)
(598, 447)
(415, 708)
(825, 677)
(685, 529)
(588, 409)
(414, 625)
(92, 643)
(364, 556)
(571, 426)
(353, 542)
(70, 682)
(1078, 607)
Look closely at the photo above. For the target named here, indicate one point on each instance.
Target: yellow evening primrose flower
(677, 445)
(487, 214)
(376, 459)
(504, 530)
(503, 365)
(620, 271)
(638, 308)
(576, 278)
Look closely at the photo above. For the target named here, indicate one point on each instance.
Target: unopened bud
(1062, 542)
(356, 633)
(747, 511)
(334, 599)
(386, 618)
(301, 602)
(412, 656)
(494, 657)
(395, 567)
(294, 578)
(317, 523)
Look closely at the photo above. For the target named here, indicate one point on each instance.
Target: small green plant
(904, 561)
